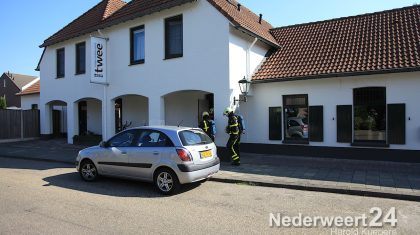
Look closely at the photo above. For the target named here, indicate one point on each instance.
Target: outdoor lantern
(244, 87)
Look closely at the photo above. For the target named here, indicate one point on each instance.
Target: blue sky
(25, 24)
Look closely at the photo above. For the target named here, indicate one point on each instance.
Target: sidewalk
(355, 177)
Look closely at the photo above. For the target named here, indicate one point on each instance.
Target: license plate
(206, 154)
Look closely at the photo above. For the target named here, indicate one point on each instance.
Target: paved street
(49, 198)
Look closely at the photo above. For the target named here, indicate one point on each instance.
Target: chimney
(239, 7)
(260, 18)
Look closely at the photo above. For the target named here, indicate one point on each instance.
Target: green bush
(3, 104)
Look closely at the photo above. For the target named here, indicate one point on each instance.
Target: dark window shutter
(274, 123)
(396, 123)
(316, 123)
(344, 123)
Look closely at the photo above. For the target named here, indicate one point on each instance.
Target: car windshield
(194, 137)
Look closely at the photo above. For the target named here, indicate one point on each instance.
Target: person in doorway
(207, 125)
(234, 132)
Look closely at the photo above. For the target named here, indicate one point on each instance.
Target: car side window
(124, 139)
(151, 138)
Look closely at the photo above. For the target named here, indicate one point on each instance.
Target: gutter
(240, 28)
(336, 75)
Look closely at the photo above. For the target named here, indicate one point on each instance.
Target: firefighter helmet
(227, 111)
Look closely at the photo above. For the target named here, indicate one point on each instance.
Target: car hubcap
(88, 171)
(165, 181)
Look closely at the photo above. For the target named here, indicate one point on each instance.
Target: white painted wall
(94, 116)
(28, 100)
(135, 110)
(183, 106)
(329, 92)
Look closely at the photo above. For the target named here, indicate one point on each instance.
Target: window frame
(167, 44)
(139, 132)
(132, 60)
(357, 142)
(78, 69)
(122, 133)
(58, 51)
(285, 120)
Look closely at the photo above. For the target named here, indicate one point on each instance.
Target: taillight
(184, 155)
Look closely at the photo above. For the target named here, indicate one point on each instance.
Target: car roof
(165, 128)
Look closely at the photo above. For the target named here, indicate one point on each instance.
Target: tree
(3, 104)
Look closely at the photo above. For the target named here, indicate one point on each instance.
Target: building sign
(98, 60)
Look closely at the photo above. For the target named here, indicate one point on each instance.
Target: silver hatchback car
(167, 156)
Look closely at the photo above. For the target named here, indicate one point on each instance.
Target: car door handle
(155, 153)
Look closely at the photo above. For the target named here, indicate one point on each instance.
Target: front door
(82, 118)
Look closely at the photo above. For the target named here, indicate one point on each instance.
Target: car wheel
(166, 181)
(88, 171)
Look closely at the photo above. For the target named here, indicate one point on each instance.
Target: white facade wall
(94, 116)
(135, 110)
(330, 92)
(203, 67)
(179, 104)
(28, 100)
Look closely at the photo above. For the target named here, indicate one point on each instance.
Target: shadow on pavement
(109, 186)
(31, 164)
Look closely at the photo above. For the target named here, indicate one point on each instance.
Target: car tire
(166, 181)
(88, 171)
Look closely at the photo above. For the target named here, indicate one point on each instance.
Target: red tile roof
(33, 89)
(111, 12)
(86, 23)
(243, 18)
(387, 41)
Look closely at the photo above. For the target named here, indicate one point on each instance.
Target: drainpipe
(248, 59)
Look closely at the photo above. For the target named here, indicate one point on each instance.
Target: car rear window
(194, 137)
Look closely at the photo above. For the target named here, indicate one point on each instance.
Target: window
(150, 138)
(173, 37)
(194, 137)
(60, 63)
(275, 132)
(369, 114)
(34, 106)
(137, 43)
(124, 139)
(296, 117)
(81, 58)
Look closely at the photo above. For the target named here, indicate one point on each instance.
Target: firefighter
(207, 125)
(233, 130)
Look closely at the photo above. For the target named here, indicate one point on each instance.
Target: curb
(364, 193)
(346, 191)
(38, 159)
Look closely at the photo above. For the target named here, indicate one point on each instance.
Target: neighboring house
(11, 84)
(29, 96)
(317, 88)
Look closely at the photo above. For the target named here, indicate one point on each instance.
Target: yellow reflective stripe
(206, 128)
(234, 125)
(233, 150)
(234, 133)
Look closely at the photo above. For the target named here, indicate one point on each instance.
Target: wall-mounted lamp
(244, 85)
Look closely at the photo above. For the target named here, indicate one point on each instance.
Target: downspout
(248, 59)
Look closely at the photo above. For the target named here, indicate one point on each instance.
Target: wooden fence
(19, 124)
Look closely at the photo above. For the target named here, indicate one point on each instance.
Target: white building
(168, 61)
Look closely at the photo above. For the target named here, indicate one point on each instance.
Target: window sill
(132, 63)
(168, 57)
(59, 77)
(370, 144)
(76, 74)
(303, 142)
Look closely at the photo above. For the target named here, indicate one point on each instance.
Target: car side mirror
(103, 144)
